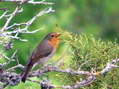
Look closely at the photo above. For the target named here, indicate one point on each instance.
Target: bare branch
(22, 30)
(55, 69)
(110, 66)
(3, 14)
(15, 67)
(87, 81)
(83, 83)
(16, 24)
(40, 2)
(10, 18)
(91, 75)
(9, 59)
(46, 11)
(30, 2)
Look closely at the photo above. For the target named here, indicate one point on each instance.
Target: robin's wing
(43, 50)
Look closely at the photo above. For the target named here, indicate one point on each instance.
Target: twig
(83, 83)
(40, 2)
(55, 69)
(31, 2)
(3, 14)
(10, 18)
(14, 67)
(45, 11)
(110, 66)
(16, 24)
(9, 59)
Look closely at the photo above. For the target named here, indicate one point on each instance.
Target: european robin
(44, 51)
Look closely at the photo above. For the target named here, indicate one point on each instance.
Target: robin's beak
(58, 34)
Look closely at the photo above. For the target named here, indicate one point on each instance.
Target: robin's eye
(52, 35)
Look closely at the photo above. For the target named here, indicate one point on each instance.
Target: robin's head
(53, 35)
(53, 38)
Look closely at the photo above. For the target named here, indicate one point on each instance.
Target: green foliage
(95, 51)
(89, 53)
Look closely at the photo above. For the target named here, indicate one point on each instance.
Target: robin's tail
(26, 72)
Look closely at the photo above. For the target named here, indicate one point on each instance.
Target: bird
(43, 52)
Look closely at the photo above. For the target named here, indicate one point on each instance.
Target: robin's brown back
(43, 50)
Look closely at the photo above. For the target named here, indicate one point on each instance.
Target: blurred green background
(99, 18)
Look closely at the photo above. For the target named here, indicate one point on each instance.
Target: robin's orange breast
(54, 42)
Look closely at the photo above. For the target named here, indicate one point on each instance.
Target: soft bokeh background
(97, 17)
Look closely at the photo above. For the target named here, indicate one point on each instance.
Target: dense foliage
(93, 54)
